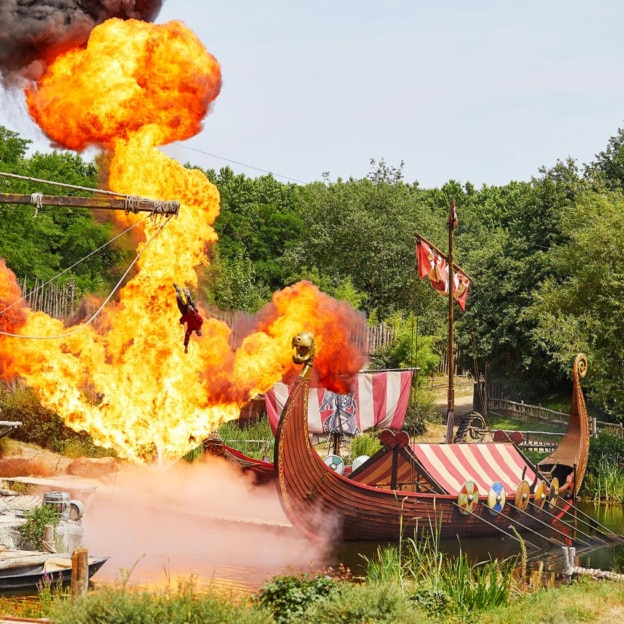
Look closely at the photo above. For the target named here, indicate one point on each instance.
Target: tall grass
(606, 482)
(443, 584)
(254, 438)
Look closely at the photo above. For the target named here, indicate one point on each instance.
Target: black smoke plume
(33, 32)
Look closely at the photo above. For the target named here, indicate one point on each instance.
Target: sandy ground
(436, 431)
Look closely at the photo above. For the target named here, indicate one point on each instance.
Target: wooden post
(80, 573)
(127, 203)
(49, 541)
(450, 412)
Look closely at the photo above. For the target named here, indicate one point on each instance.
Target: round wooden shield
(553, 492)
(468, 497)
(521, 500)
(496, 498)
(541, 492)
(335, 463)
(358, 461)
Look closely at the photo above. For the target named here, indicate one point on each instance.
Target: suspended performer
(190, 316)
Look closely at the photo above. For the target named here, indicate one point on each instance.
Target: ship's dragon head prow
(305, 348)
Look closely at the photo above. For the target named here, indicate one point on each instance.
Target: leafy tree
(41, 243)
(259, 219)
(507, 259)
(362, 230)
(234, 286)
(409, 349)
(582, 311)
(609, 164)
(12, 148)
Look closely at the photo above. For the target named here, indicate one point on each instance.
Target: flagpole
(450, 411)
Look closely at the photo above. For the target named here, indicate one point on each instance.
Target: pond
(231, 537)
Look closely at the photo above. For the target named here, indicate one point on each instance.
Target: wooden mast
(128, 203)
(450, 410)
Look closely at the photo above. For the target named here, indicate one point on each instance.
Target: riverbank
(581, 601)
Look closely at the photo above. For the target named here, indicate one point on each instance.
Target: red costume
(193, 322)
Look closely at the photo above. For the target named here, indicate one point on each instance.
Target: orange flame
(125, 378)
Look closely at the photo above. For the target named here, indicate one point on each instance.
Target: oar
(593, 538)
(552, 528)
(496, 527)
(594, 524)
(551, 540)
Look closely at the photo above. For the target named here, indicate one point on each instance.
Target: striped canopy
(451, 465)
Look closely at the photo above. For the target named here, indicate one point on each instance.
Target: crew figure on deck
(190, 316)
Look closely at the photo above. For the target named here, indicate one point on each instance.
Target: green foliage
(422, 408)
(42, 243)
(43, 427)
(289, 597)
(365, 604)
(346, 235)
(447, 585)
(408, 349)
(366, 443)
(604, 479)
(32, 531)
(259, 220)
(233, 285)
(182, 605)
(608, 167)
(12, 149)
(581, 310)
(254, 438)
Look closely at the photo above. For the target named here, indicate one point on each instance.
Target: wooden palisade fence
(58, 301)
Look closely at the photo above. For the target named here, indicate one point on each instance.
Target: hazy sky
(481, 91)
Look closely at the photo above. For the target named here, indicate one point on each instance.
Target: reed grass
(254, 438)
(443, 584)
(605, 483)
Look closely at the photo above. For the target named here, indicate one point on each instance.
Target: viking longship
(474, 489)
(380, 399)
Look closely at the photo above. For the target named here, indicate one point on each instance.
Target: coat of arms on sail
(339, 413)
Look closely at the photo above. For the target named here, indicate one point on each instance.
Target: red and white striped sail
(380, 400)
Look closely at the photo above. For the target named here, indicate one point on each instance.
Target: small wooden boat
(261, 471)
(457, 489)
(25, 571)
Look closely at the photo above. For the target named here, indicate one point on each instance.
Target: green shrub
(32, 531)
(183, 605)
(289, 597)
(365, 604)
(42, 426)
(366, 443)
(254, 438)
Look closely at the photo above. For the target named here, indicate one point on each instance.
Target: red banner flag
(460, 290)
(434, 266)
(424, 255)
(439, 274)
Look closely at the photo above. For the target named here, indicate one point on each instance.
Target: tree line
(545, 258)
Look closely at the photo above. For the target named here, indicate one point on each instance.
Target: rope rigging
(92, 253)
(63, 184)
(129, 203)
(108, 298)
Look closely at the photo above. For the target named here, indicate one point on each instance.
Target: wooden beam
(129, 203)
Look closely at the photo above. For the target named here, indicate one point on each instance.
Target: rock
(90, 467)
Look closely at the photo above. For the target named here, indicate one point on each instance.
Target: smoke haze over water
(204, 520)
(32, 32)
